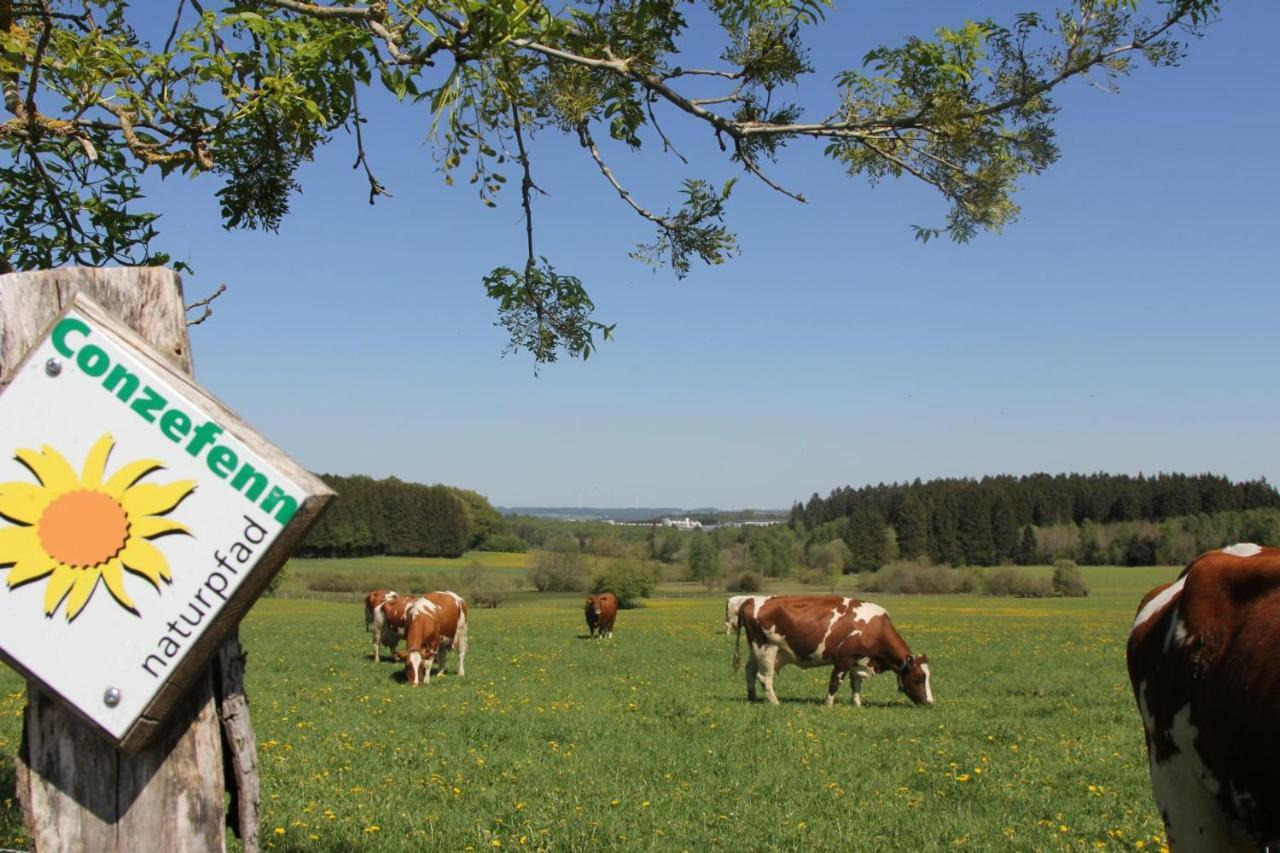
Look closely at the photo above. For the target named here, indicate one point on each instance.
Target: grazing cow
(422, 642)
(1202, 661)
(847, 635)
(601, 611)
(389, 623)
(451, 615)
(371, 602)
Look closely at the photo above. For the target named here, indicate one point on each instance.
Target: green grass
(556, 742)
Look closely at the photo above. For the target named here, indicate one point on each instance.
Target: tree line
(391, 516)
(1000, 519)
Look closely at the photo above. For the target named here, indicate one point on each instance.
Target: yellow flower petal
(29, 570)
(23, 501)
(85, 583)
(128, 475)
(95, 464)
(54, 472)
(147, 499)
(59, 585)
(143, 558)
(113, 577)
(148, 528)
(18, 544)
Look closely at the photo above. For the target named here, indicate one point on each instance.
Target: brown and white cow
(601, 611)
(422, 643)
(371, 602)
(1203, 661)
(451, 616)
(850, 636)
(389, 622)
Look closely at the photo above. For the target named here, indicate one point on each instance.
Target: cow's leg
(833, 686)
(460, 645)
(390, 638)
(753, 670)
(861, 672)
(768, 666)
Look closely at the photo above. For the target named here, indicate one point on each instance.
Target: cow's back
(1203, 664)
(450, 612)
(797, 624)
(396, 611)
(608, 610)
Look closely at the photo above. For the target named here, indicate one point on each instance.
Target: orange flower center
(83, 528)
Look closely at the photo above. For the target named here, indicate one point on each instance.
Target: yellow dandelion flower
(77, 529)
(279, 830)
(373, 827)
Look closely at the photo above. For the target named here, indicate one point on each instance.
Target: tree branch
(375, 186)
(206, 305)
(584, 136)
(315, 10)
(750, 164)
(46, 31)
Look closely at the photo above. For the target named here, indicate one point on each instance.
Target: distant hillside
(635, 514)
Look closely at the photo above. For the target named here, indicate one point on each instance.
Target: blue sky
(1124, 324)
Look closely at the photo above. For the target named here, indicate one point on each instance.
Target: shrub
(278, 581)
(1067, 580)
(970, 579)
(818, 577)
(506, 542)
(628, 578)
(561, 568)
(329, 582)
(483, 587)
(745, 582)
(1010, 581)
(911, 578)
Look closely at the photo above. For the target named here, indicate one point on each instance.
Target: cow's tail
(737, 638)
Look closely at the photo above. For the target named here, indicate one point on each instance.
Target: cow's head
(913, 679)
(417, 662)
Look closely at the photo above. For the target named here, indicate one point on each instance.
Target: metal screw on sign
(53, 367)
(112, 697)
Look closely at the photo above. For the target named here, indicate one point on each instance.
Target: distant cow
(1203, 662)
(389, 622)
(422, 642)
(371, 602)
(847, 635)
(601, 611)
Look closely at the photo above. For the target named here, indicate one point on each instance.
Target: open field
(552, 741)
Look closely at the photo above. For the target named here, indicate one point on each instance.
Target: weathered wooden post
(137, 777)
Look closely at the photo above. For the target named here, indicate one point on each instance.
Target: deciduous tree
(98, 92)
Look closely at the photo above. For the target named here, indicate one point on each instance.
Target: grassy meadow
(552, 741)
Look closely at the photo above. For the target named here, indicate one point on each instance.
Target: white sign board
(139, 519)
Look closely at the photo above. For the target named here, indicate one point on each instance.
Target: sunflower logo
(77, 530)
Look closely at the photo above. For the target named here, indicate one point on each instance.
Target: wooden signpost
(139, 520)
